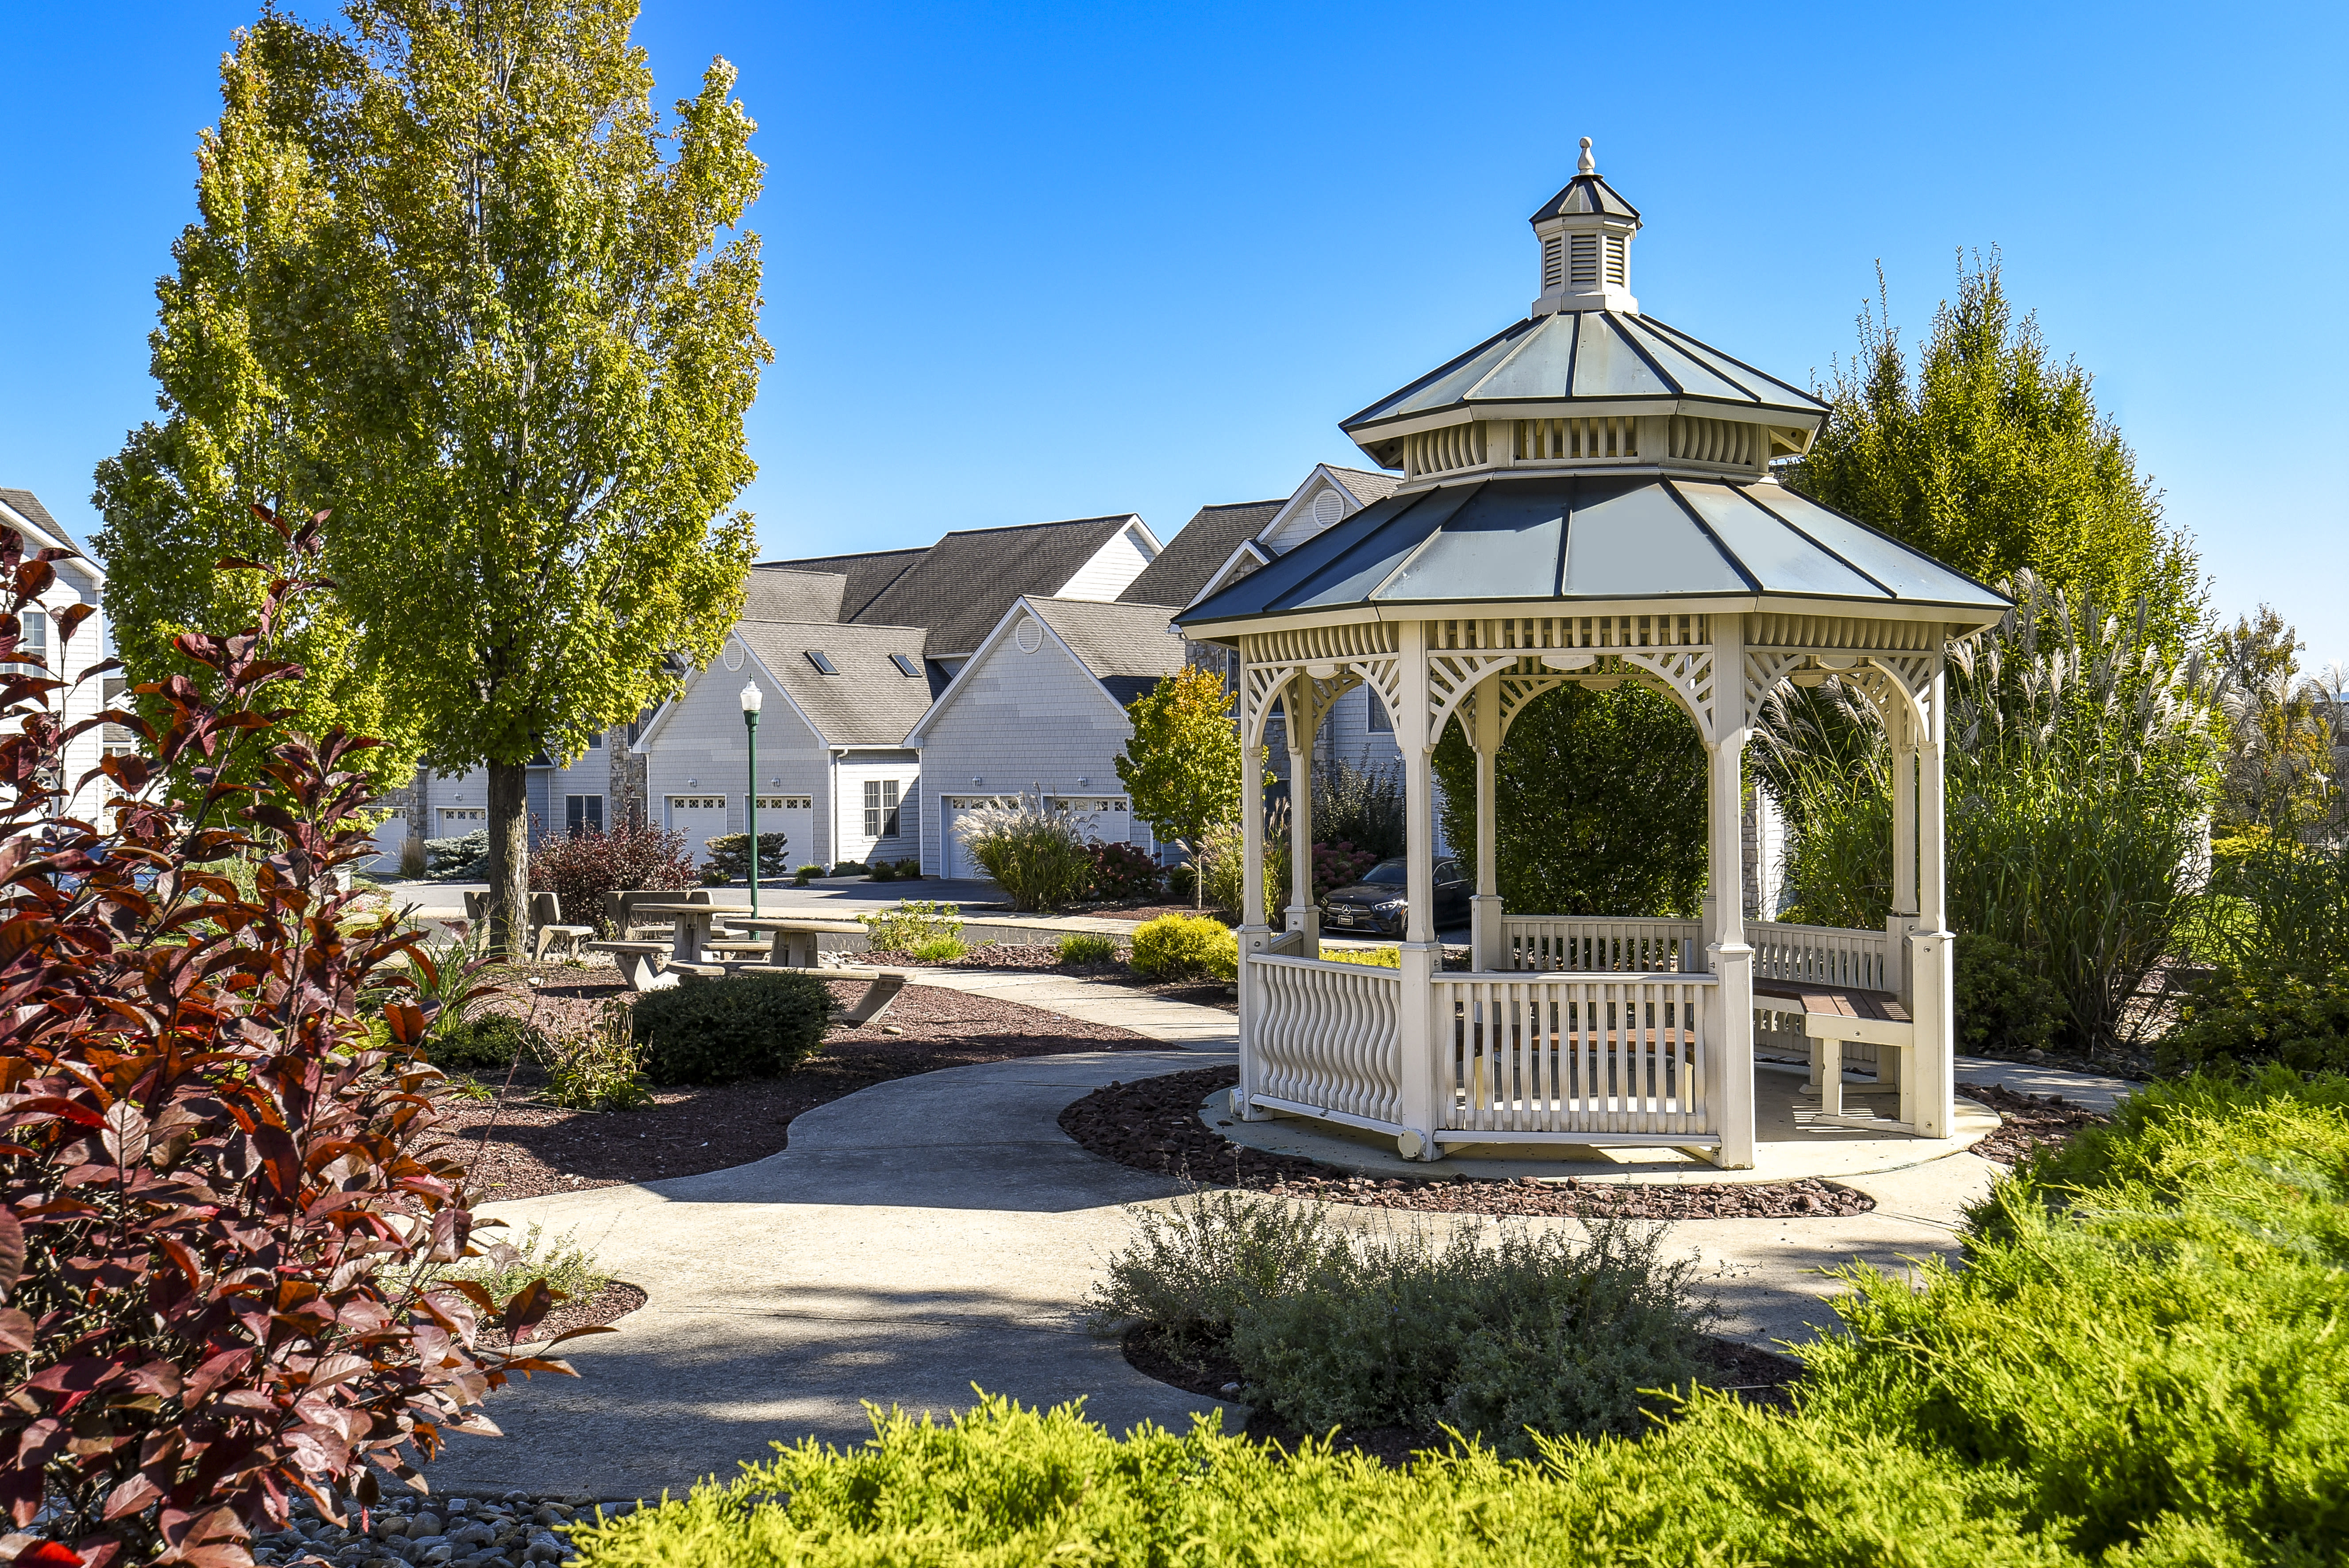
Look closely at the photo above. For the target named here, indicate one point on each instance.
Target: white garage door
(699, 817)
(955, 856)
(794, 817)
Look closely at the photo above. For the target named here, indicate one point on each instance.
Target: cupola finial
(1588, 165)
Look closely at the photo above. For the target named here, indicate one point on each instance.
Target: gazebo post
(1420, 1033)
(1487, 938)
(1253, 935)
(1732, 1036)
(1926, 1091)
(1303, 914)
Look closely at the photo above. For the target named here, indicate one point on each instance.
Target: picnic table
(1834, 1013)
(792, 937)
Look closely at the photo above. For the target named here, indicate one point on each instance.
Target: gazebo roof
(1629, 363)
(1611, 537)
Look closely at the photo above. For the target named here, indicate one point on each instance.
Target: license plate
(1339, 917)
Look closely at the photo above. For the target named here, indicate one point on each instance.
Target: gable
(1122, 558)
(1319, 503)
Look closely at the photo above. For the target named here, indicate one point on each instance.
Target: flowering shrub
(217, 1185)
(580, 871)
(1339, 865)
(1121, 871)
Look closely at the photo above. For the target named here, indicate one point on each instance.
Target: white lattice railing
(1583, 945)
(1325, 1038)
(1624, 1056)
(1826, 954)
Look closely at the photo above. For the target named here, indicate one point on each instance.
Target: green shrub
(743, 1027)
(2292, 898)
(883, 871)
(850, 868)
(483, 1042)
(1182, 946)
(2005, 1008)
(1195, 1266)
(941, 949)
(805, 874)
(1085, 948)
(462, 859)
(2272, 1014)
(1181, 879)
(1372, 958)
(913, 923)
(598, 1067)
(2141, 1364)
(503, 1268)
(1360, 808)
(1036, 852)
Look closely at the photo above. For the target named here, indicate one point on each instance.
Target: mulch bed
(1755, 1376)
(1154, 1125)
(617, 1299)
(2028, 1121)
(515, 1145)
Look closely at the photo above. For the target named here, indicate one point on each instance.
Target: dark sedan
(1376, 902)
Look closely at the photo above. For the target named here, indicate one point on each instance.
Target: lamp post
(751, 697)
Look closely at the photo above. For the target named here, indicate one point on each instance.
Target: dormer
(1585, 232)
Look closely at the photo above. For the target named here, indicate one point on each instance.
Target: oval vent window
(1029, 634)
(733, 655)
(1326, 509)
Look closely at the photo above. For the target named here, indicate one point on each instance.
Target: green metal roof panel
(1692, 376)
(1607, 366)
(1631, 539)
(1486, 547)
(1908, 574)
(1449, 385)
(1542, 365)
(1782, 560)
(1632, 536)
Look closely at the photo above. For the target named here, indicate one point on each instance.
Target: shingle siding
(701, 737)
(1021, 722)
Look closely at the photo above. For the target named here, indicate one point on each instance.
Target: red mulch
(1041, 955)
(2028, 1121)
(1154, 1125)
(617, 1299)
(515, 1145)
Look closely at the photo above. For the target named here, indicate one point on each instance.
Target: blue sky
(1035, 262)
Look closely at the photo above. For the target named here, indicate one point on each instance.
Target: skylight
(822, 662)
(906, 667)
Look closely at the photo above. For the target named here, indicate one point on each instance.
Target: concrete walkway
(936, 1231)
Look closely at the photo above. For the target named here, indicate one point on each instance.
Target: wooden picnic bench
(1832, 1015)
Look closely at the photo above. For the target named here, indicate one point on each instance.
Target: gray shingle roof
(1367, 484)
(962, 585)
(1192, 556)
(1127, 647)
(780, 594)
(27, 505)
(868, 703)
(1597, 538)
(868, 574)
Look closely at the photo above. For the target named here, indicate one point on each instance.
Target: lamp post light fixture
(751, 697)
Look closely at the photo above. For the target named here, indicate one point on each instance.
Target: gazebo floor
(1788, 1144)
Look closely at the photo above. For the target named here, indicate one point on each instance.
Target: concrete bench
(878, 996)
(645, 965)
(1834, 1013)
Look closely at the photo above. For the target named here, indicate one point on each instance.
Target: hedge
(2141, 1362)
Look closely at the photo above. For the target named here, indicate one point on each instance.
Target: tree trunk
(509, 901)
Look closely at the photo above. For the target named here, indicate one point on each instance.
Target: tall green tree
(1181, 765)
(1598, 803)
(503, 309)
(1994, 456)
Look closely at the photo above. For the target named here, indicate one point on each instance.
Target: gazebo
(1587, 498)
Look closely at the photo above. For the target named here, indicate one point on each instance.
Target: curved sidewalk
(934, 1231)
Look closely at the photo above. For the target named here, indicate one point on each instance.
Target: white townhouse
(80, 579)
(849, 653)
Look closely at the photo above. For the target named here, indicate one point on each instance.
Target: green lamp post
(751, 697)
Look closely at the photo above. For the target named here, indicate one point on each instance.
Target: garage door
(793, 816)
(955, 856)
(699, 817)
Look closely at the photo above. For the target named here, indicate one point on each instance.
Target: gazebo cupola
(1586, 245)
(1586, 383)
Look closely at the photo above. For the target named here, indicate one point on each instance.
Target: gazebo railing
(1326, 1039)
(1577, 944)
(1527, 1058)
(1826, 954)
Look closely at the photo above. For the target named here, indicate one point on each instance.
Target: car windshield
(1389, 873)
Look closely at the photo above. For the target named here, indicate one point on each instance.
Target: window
(880, 808)
(906, 667)
(785, 803)
(31, 636)
(1377, 720)
(595, 741)
(463, 820)
(581, 813)
(822, 662)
